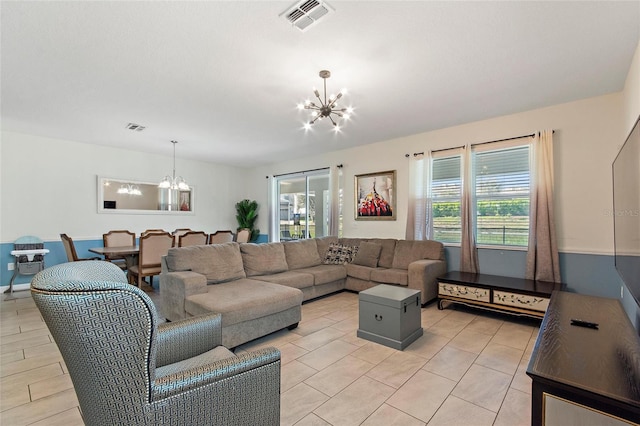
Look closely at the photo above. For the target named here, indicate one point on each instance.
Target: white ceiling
(224, 78)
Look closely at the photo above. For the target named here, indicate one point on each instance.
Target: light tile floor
(467, 369)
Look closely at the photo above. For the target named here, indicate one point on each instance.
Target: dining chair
(70, 250)
(152, 231)
(220, 237)
(153, 246)
(119, 238)
(285, 235)
(129, 367)
(178, 232)
(193, 238)
(243, 236)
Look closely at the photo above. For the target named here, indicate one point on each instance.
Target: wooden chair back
(153, 246)
(152, 231)
(193, 238)
(220, 237)
(69, 248)
(119, 238)
(178, 233)
(243, 236)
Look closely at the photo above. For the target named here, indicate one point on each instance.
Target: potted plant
(247, 214)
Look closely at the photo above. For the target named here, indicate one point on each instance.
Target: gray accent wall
(592, 274)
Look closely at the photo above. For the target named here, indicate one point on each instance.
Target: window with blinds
(446, 190)
(501, 179)
(501, 188)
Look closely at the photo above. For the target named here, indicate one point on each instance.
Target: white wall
(49, 187)
(588, 134)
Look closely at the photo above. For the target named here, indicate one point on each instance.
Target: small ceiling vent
(135, 127)
(306, 13)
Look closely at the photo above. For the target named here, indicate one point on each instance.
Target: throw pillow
(368, 254)
(338, 254)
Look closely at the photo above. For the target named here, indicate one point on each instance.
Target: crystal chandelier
(173, 182)
(328, 107)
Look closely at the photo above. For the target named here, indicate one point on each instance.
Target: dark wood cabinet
(516, 296)
(585, 375)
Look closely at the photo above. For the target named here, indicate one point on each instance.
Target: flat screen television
(626, 211)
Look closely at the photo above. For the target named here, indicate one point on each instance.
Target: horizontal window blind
(502, 187)
(446, 190)
(502, 174)
(446, 183)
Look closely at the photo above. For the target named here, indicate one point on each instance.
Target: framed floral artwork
(375, 196)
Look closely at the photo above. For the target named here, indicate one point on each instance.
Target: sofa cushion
(263, 259)
(324, 274)
(339, 254)
(368, 254)
(390, 276)
(323, 244)
(408, 251)
(358, 271)
(293, 279)
(301, 253)
(217, 262)
(388, 251)
(243, 300)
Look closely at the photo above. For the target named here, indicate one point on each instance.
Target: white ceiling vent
(135, 127)
(306, 13)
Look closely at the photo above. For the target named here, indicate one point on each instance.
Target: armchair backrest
(105, 330)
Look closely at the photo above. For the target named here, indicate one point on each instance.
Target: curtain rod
(447, 149)
(303, 171)
(509, 139)
(415, 154)
(506, 139)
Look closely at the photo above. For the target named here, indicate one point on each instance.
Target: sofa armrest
(423, 276)
(186, 338)
(225, 370)
(175, 287)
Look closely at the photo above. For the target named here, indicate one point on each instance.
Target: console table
(582, 375)
(517, 296)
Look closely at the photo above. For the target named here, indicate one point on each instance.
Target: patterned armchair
(127, 368)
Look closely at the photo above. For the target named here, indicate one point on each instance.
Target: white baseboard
(16, 287)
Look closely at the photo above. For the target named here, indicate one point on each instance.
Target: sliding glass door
(302, 204)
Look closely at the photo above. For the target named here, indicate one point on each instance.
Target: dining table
(128, 253)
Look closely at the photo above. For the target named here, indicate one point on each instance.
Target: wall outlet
(10, 266)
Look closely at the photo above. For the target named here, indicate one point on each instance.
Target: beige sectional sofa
(259, 288)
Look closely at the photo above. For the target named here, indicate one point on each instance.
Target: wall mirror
(135, 197)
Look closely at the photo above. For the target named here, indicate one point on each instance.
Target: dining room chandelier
(130, 189)
(174, 182)
(328, 107)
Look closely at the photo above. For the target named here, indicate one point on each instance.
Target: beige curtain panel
(419, 218)
(542, 255)
(468, 250)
